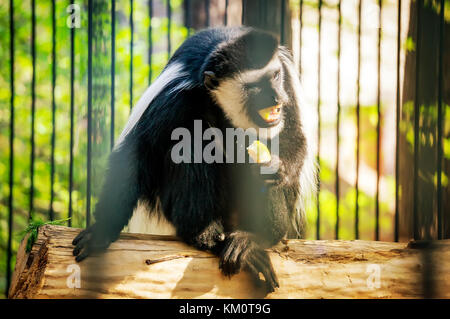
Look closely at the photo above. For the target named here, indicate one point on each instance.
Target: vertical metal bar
(243, 11)
(440, 122)
(169, 27)
(131, 52)
(72, 115)
(33, 105)
(377, 194)
(207, 13)
(397, 124)
(338, 121)
(416, 122)
(358, 89)
(187, 8)
(319, 58)
(113, 70)
(89, 117)
(300, 37)
(283, 18)
(11, 147)
(225, 17)
(263, 13)
(150, 41)
(53, 138)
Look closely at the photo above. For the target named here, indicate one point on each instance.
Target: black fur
(229, 209)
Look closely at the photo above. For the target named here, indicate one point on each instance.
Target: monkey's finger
(225, 255)
(80, 244)
(236, 260)
(254, 272)
(271, 271)
(86, 252)
(82, 234)
(239, 252)
(263, 263)
(230, 260)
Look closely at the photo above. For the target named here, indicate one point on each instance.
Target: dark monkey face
(264, 97)
(253, 98)
(245, 78)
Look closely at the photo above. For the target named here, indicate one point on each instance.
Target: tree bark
(270, 15)
(149, 266)
(425, 92)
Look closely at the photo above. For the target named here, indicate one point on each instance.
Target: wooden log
(150, 266)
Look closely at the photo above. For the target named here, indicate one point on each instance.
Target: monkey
(222, 77)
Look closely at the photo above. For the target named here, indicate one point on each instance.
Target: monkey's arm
(197, 200)
(191, 200)
(117, 200)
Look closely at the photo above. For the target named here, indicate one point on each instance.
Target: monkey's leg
(117, 200)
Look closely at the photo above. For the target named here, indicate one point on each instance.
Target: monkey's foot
(242, 252)
(89, 241)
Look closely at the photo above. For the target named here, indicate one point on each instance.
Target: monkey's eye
(276, 75)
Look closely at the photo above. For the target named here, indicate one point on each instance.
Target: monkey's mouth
(271, 115)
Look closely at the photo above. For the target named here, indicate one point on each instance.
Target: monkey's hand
(242, 252)
(210, 238)
(89, 241)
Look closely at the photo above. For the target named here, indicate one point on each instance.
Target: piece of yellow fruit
(259, 152)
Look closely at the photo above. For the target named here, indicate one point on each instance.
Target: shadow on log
(150, 266)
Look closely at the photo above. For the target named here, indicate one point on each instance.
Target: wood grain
(151, 266)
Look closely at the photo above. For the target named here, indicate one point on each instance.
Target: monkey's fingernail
(221, 237)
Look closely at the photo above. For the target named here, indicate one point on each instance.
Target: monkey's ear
(210, 80)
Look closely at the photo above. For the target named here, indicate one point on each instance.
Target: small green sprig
(33, 229)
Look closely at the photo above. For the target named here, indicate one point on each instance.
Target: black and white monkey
(223, 77)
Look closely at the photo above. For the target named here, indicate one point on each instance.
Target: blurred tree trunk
(268, 15)
(427, 97)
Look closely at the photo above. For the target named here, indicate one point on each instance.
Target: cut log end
(151, 266)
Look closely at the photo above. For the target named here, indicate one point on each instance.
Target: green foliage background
(43, 115)
(43, 130)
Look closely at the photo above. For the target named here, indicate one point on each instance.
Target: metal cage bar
(319, 57)
(11, 146)
(416, 122)
(207, 13)
(169, 27)
(53, 137)
(33, 106)
(131, 52)
(338, 121)
(397, 124)
(113, 72)
(358, 123)
(300, 40)
(379, 119)
(89, 117)
(225, 15)
(72, 114)
(150, 40)
(440, 119)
